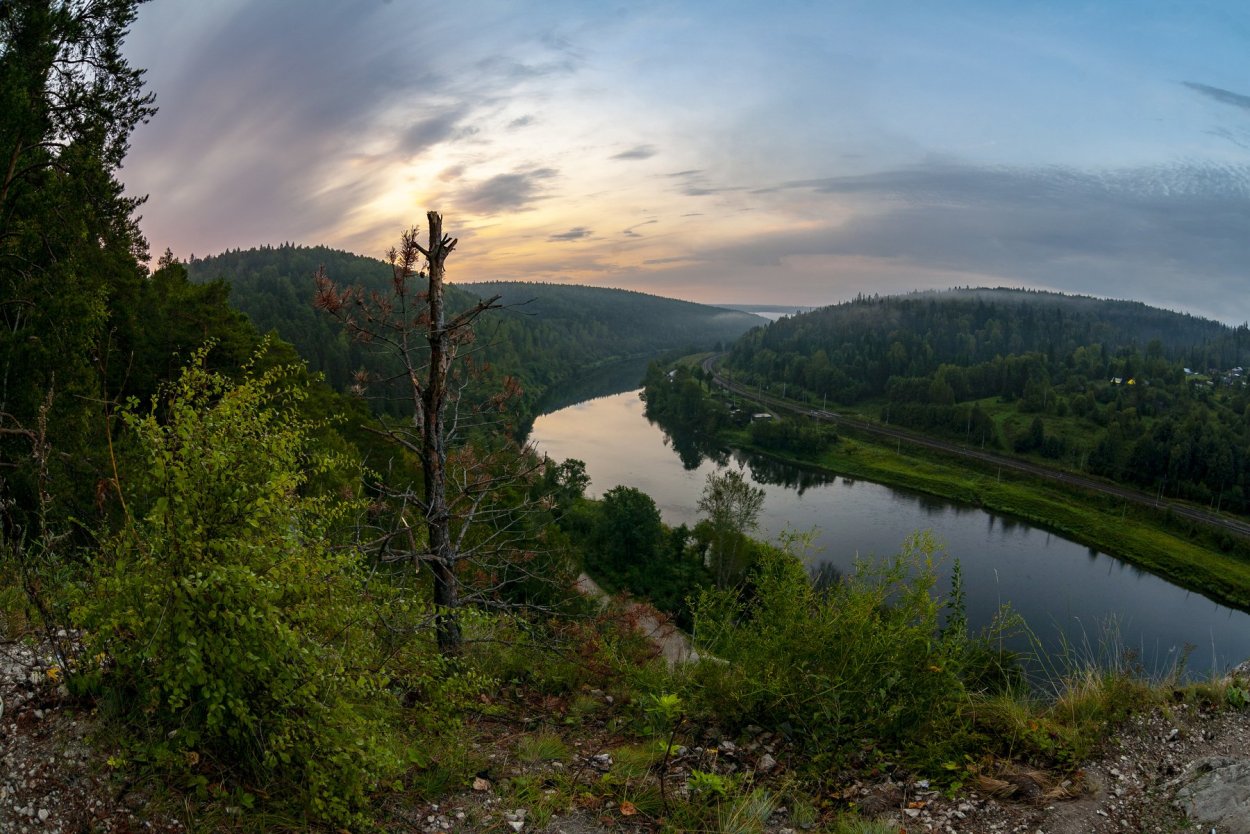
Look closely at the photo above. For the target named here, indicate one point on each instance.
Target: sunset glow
(703, 151)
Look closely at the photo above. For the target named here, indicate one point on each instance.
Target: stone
(1216, 791)
(766, 763)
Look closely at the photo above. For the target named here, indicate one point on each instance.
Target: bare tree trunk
(398, 322)
(434, 446)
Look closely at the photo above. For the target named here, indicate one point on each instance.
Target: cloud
(505, 192)
(682, 259)
(576, 233)
(520, 121)
(287, 121)
(1155, 234)
(630, 231)
(694, 183)
(426, 133)
(514, 70)
(637, 152)
(1221, 95)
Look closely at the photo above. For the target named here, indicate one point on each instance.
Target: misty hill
(850, 351)
(548, 334)
(623, 323)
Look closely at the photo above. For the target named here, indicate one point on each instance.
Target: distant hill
(548, 334)
(850, 351)
(620, 323)
(1138, 395)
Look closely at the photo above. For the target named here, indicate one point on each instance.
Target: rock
(766, 763)
(1216, 791)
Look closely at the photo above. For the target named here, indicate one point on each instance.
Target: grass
(543, 747)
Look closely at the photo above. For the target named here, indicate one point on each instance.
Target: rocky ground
(1184, 767)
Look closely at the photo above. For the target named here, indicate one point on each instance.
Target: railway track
(1230, 525)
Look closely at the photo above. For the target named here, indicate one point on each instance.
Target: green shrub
(861, 664)
(231, 634)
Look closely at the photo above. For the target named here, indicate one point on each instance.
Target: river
(1072, 598)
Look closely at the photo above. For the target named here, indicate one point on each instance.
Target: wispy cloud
(576, 233)
(637, 152)
(505, 192)
(1219, 94)
(425, 133)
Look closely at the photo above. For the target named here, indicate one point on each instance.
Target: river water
(1073, 599)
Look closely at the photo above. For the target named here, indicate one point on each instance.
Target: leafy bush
(232, 633)
(860, 664)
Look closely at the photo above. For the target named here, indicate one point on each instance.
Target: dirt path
(674, 645)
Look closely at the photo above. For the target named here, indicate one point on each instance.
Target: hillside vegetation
(247, 604)
(1117, 389)
(547, 333)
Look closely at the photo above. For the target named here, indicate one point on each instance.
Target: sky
(797, 152)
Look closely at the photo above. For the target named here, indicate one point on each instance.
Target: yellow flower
(54, 673)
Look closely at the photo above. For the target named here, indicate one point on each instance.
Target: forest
(1116, 389)
(543, 335)
(273, 557)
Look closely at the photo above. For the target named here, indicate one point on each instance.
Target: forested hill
(1118, 389)
(620, 322)
(851, 350)
(552, 333)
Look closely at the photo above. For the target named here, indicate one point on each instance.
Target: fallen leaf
(627, 808)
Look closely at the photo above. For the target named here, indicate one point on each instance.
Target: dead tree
(412, 324)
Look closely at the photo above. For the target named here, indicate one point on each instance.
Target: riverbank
(1190, 559)
(1175, 545)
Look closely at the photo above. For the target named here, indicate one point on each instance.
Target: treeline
(685, 403)
(546, 334)
(1136, 394)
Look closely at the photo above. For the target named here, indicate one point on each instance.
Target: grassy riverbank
(1211, 563)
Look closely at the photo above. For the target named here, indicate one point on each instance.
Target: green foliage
(864, 662)
(68, 238)
(678, 397)
(234, 636)
(663, 711)
(707, 784)
(732, 506)
(800, 437)
(548, 333)
(543, 747)
(1107, 387)
(628, 548)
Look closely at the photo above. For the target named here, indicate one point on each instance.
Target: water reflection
(1064, 591)
(602, 382)
(766, 470)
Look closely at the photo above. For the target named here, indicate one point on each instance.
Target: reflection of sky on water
(1064, 591)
